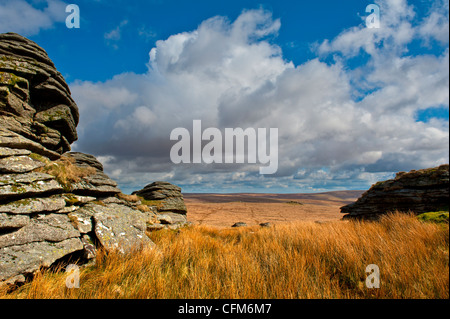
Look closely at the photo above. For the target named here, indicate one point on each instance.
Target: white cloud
(229, 74)
(394, 33)
(21, 17)
(142, 116)
(436, 25)
(112, 37)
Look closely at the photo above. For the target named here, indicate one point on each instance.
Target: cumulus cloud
(338, 127)
(435, 25)
(395, 31)
(21, 17)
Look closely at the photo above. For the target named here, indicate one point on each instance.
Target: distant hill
(340, 196)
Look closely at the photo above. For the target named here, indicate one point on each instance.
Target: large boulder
(417, 191)
(165, 195)
(168, 201)
(35, 100)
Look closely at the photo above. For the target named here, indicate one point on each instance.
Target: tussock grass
(129, 198)
(66, 172)
(298, 260)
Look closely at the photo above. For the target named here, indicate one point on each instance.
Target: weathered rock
(120, 227)
(167, 197)
(19, 164)
(168, 201)
(60, 118)
(67, 209)
(239, 224)
(159, 190)
(173, 204)
(6, 151)
(27, 185)
(9, 222)
(34, 205)
(171, 218)
(164, 219)
(35, 101)
(90, 251)
(115, 200)
(48, 227)
(417, 191)
(13, 140)
(82, 219)
(72, 199)
(116, 226)
(97, 184)
(85, 160)
(87, 188)
(19, 260)
(30, 243)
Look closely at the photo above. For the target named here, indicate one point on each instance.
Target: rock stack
(36, 105)
(168, 201)
(55, 204)
(417, 191)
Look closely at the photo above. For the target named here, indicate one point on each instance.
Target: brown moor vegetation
(293, 260)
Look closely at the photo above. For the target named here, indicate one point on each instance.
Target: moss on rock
(435, 217)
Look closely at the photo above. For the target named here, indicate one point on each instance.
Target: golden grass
(129, 198)
(66, 172)
(297, 260)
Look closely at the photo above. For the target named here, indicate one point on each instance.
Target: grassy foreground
(299, 260)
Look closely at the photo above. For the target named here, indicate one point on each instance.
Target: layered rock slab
(20, 260)
(97, 183)
(35, 100)
(167, 199)
(417, 191)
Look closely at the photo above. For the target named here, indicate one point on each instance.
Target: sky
(353, 105)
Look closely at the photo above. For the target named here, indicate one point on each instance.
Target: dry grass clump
(129, 198)
(297, 260)
(143, 208)
(66, 172)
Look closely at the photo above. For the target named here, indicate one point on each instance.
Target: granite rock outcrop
(417, 191)
(35, 98)
(168, 202)
(58, 205)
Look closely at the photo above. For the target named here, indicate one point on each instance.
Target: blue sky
(353, 105)
(145, 22)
